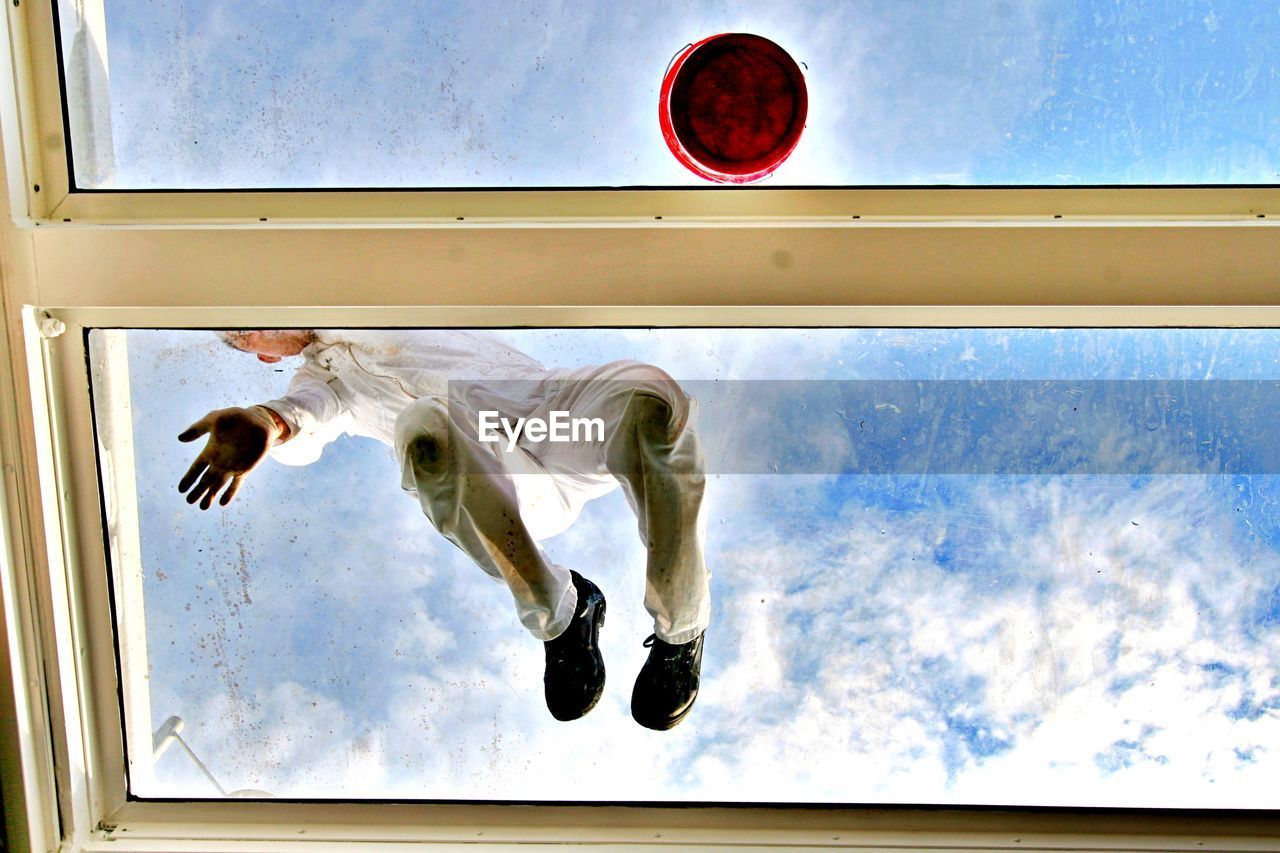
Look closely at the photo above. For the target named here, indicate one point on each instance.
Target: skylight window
(1003, 567)
(520, 95)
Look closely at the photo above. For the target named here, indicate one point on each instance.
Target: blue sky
(1039, 639)
(379, 93)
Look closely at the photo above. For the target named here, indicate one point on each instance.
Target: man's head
(269, 345)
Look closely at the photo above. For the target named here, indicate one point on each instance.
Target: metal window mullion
(32, 805)
(113, 415)
(22, 159)
(67, 679)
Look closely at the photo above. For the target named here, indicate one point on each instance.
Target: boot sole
(596, 625)
(595, 644)
(666, 724)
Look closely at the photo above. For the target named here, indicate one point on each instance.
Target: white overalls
(421, 392)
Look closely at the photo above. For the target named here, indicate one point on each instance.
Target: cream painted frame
(43, 197)
(718, 257)
(99, 796)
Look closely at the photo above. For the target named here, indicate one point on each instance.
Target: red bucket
(732, 107)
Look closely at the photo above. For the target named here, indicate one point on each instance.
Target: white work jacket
(358, 382)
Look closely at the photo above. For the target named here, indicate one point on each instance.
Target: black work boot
(668, 683)
(574, 678)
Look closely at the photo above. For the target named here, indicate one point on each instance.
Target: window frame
(36, 62)
(57, 345)
(724, 257)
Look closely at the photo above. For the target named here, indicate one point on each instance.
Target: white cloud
(284, 740)
(894, 660)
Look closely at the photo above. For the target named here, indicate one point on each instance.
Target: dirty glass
(174, 94)
(952, 566)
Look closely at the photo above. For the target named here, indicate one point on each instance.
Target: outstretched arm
(239, 440)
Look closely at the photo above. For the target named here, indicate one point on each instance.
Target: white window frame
(722, 257)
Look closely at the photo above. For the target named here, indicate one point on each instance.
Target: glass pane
(1033, 567)
(171, 94)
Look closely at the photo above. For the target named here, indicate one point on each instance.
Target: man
(435, 396)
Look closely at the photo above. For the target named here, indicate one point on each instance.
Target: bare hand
(238, 441)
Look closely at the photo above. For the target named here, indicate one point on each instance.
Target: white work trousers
(496, 504)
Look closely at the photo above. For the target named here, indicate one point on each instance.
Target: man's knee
(658, 425)
(423, 434)
(658, 405)
(654, 416)
(427, 453)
